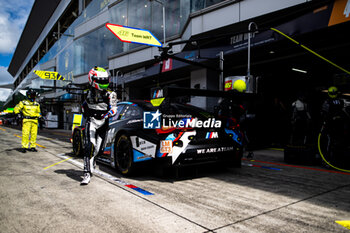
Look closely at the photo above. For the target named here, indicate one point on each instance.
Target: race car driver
(29, 110)
(99, 105)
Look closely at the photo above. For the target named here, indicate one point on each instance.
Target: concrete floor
(249, 199)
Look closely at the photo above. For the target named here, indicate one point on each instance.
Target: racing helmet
(239, 85)
(31, 95)
(333, 92)
(99, 78)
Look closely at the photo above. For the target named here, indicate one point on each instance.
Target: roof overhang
(41, 12)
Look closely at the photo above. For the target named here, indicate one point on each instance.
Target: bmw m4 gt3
(175, 135)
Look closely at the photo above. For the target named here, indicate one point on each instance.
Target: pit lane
(254, 198)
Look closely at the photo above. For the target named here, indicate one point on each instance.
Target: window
(120, 109)
(119, 15)
(149, 15)
(131, 112)
(93, 50)
(139, 14)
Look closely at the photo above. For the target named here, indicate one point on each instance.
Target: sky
(13, 17)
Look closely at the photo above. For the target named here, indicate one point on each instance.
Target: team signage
(52, 75)
(133, 35)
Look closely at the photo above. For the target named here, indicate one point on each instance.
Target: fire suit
(97, 108)
(31, 112)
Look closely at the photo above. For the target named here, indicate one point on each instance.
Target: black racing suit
(331, 108)
(336, 121)
(97, 108)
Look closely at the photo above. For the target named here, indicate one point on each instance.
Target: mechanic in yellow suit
(30, 110)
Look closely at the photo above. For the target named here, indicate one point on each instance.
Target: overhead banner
(133, 35)
(51, 75)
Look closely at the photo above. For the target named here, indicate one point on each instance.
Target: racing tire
(77, 142)
(124, 155)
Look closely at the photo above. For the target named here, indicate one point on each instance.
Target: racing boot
(86, 179)
(23, 150)
(33, 149)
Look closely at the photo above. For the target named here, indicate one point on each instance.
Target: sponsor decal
(214, 150)
(228, 85)
(184, 137)
(143, 149)
(151, 120)
(166, 146)
(237, 137)
(158, 93)
(212, 135)
(167, 65)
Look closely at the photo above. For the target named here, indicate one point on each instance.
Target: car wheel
(124, 155)
(77, 143)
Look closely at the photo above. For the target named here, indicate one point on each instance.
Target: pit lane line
(297, 166)
(35, 143)
(57, 163)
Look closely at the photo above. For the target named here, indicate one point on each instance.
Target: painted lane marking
(57, 163)
(296, 166)
(344, 223)
(140, 190)
(122, 182)
(61, 134)
(265, 167)
(35, 143)
(40, 145)
(279, 149)
(271, 168)
(108, 176)
(3, 129)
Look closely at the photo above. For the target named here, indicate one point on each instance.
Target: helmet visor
(103, 86)
(101, 80)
